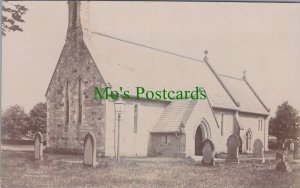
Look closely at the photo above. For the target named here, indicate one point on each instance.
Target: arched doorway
(202, 132)
(198, 141)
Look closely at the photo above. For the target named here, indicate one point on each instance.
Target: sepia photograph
(135, 94)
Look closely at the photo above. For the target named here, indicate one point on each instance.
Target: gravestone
(258, 150)
(89, 156)
(278, 159)
(208, 152)
(296, 153)
(38, 146)
(281, 163)
(292, 146)
(232, 149)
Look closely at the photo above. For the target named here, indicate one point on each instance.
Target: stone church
(148, 127)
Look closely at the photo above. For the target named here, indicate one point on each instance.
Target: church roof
(174, 114)
(244, 94)
(129, 65)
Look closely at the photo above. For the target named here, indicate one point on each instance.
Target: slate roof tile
(175, 113)
(129, 65)
(244, 95)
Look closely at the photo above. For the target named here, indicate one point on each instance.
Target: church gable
(72, 110)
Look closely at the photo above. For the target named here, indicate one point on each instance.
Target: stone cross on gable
(244, 74)
(206, 52)
(205, 57)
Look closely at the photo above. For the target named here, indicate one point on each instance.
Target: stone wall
(75, 63)
(167, 145)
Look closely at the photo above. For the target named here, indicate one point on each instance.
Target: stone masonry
(75, 65)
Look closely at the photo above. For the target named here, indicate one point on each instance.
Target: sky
(261, 38)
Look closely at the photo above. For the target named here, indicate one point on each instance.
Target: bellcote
(79, 22)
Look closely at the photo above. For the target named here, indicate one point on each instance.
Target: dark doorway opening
(198, 142)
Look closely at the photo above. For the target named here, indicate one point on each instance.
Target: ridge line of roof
(223, 75)
(149, 47)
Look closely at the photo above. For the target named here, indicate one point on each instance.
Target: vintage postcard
(150, 94)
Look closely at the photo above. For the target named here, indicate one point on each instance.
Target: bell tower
(79, 21)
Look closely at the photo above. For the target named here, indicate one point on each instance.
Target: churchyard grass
(19, 169)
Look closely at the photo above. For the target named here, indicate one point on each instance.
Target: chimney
(79, 22)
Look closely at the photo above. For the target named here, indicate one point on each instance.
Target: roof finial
(244, 74)
(205, 57)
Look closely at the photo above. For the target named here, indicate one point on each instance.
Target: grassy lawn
(19, 169)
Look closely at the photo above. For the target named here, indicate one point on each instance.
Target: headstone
(296, 153)
(89, 156)
(208, 152)
(292, 146)
(38, 146)
(258, 150)
(232, 149)
(281, 163)
(278, 159)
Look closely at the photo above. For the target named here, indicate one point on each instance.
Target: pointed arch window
(136, 112)
(260, 124)
(67, 104)
(79, 111)
(248, 140)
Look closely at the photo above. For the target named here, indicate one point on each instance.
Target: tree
(15, 122)
(285, 122)
(38, 118)
(272, 128)
(12, 16)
